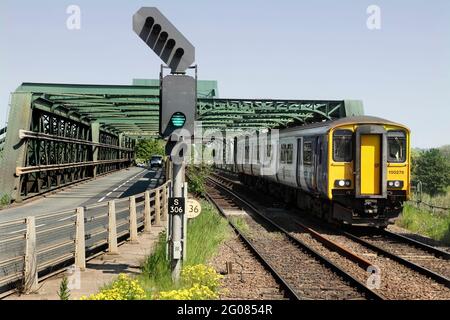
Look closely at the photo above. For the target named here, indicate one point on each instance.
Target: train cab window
(343, 146)
(396, 146)
(307, 153)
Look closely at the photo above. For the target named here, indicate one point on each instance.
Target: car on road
(156, 161)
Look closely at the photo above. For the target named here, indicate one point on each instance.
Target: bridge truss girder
(61, 133)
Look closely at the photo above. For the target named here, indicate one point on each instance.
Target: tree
(433, 170)
(149, 147)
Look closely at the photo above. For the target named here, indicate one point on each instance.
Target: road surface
(117, 185)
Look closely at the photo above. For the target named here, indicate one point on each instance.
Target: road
(117, 185)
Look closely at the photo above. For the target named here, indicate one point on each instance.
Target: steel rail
(426, 272)
(55, 246)
(363, 263)
(289, 291)
(13, 222)
(13, 259)
(430, 249)
(15, 238)
(328, 263)
(10, 278)
(40, 232)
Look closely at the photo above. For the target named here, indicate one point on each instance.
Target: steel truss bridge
(59, 134)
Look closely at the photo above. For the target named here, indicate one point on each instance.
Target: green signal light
(178, 119)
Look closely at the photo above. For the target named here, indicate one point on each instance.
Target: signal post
(178, 101)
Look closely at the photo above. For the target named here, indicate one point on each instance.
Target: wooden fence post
(147, 213)
(31, 268)
(112, 228)
(80, 245)
(133, 221)
(158, 207)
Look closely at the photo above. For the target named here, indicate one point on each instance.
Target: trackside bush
(124, 288)
(200, 283)
(202, 275)
(196, 292)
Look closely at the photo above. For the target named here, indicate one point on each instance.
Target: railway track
(428, 261)
(418, 271)
(304, 272)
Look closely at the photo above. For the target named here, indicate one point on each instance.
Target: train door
(371, 162)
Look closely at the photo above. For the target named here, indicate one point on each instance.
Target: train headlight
(342, 183)
(397, 184)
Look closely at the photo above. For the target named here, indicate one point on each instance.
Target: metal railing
(33, 247)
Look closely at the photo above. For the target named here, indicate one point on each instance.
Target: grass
(241, 224)
(435, 226)
(4, 200)
(205, 234)
(440, 200)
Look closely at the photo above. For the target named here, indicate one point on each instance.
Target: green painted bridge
(59, 134)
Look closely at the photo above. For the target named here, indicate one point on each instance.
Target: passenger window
(343, 146)
(283, 153)
(396, 146)
(289, 154)
(307, 153)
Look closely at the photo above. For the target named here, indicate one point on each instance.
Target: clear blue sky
(256, 49)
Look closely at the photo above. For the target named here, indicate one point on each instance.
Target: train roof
(327, 125)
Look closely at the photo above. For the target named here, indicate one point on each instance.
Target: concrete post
(31, 268)
(147, 213)
(112, 228)
(158, 207)
(80, 246)
(133, 221)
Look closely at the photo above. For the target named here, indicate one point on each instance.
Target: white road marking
(101, 199)
(108, 194)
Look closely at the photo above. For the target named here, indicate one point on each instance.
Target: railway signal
(178, 101)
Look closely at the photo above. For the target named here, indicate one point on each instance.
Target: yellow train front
(353, 170)
(369, 170)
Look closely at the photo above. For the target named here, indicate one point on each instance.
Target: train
(351, 171)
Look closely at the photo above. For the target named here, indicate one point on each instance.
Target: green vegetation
(205, 234)
(240, 223)
(197, 177)
(124, 288)
(5, 200)
(149, 147)
(64, 292)
(435, 226)
(432, 168)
